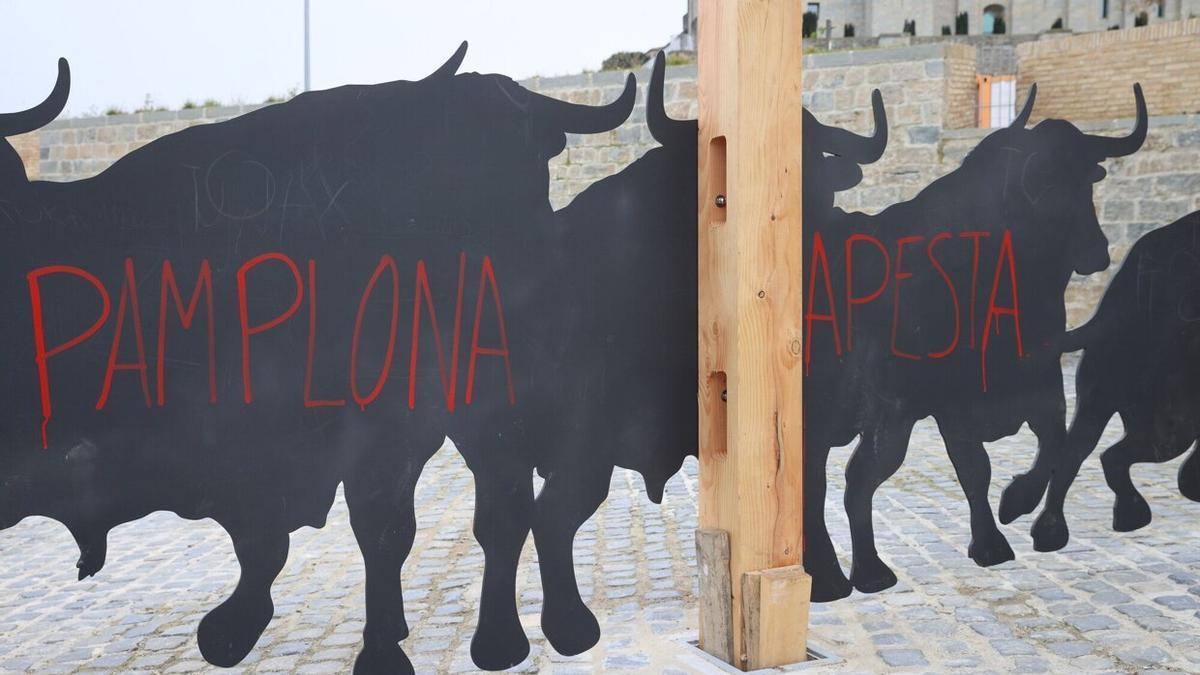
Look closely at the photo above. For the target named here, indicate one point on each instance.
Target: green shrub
(624, 61)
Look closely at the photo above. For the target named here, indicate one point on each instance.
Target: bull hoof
(382, 659)
(571, 628)
(872, 576)
(992, 552)
(93, 549)
(228, 633)
(829, 583)
(500, 648)
(1020, 498)
(1130, 513)
(829, 589)
(1050, 532)
(1189, 477)
(89, 565)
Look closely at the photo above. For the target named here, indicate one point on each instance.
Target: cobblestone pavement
(1108, 602)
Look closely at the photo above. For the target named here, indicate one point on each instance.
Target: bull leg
(879, 453)
(228, 633)
(503, 514)
(565, 503)
(92, 541)
(1050, 531)
(1189, 476)
(384, 525)
(1026, 489)
(829, 582)
(974, 470)
(1130, 510)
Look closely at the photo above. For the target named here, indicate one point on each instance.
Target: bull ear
(12, 124)
(1023, 118)
(450, 67)
(843, 143)
(665, 130)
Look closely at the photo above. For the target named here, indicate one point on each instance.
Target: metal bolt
(720, 201)
(724, 394)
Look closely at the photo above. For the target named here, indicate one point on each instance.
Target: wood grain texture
(775, 607)
(750, 253)
(716, 593)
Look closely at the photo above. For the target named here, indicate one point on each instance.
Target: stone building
(873, 18)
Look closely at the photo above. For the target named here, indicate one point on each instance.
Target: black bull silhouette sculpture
(949, 305)
(212, 326)
(234, 319)
(1141, 360)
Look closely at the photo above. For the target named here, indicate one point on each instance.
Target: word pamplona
(150, 334)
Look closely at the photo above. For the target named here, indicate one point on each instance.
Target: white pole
(307, 80)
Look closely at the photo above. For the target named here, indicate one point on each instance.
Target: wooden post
(754, 594)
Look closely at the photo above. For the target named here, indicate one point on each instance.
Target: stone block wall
(28, 147)
(77, 148)
(962, 90)
(1037, 16)
(1089, 77)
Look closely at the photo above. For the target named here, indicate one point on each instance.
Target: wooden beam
(716, 592)
(775, 606)
(751, 461)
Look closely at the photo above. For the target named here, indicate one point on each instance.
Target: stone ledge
(605, 78)
(1089, 42)
(863, 57)
(1120, 124)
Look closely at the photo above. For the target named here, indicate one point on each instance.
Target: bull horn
(1023, 118)
(665, 130)
(1108, 146)
(43, 113)
(858, 149)
(585, 119)
(450, 67)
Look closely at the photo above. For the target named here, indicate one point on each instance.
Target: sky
(243, 51)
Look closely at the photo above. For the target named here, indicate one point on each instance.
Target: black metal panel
(236, 318)
(951, 306)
